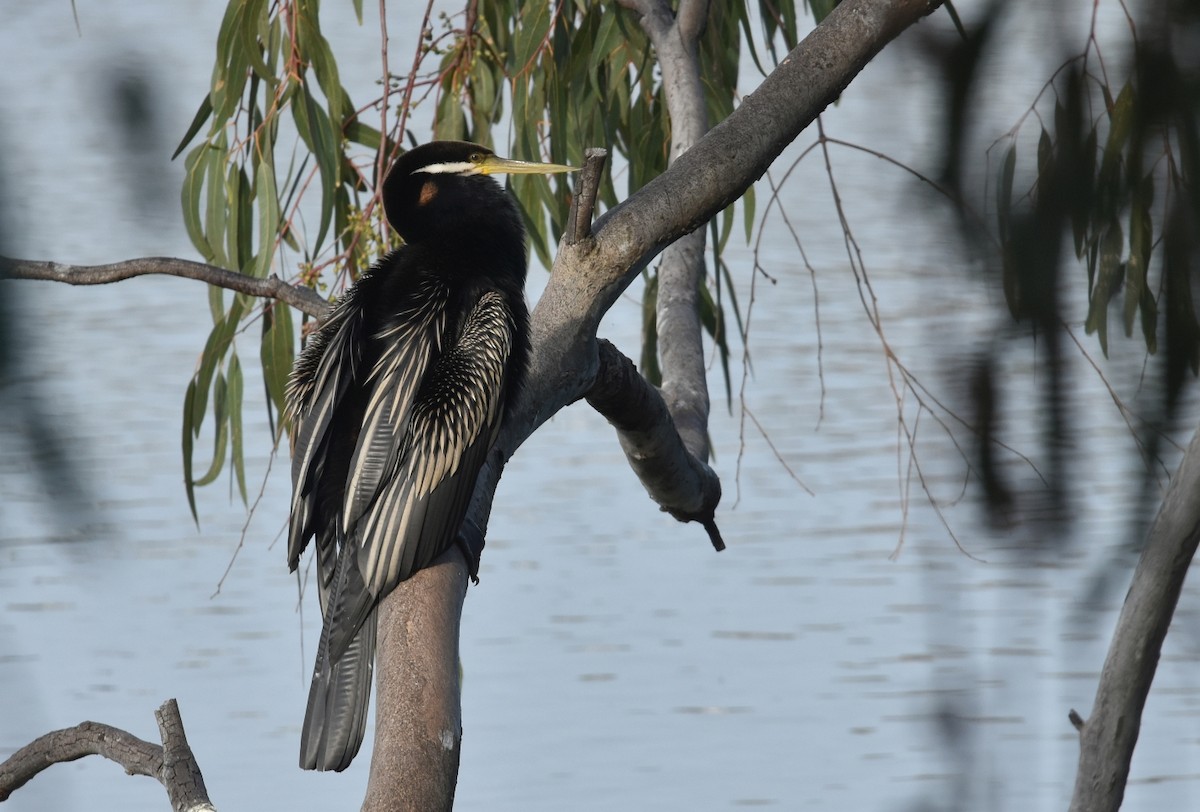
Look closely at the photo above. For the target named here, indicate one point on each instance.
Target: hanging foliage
(283, 167)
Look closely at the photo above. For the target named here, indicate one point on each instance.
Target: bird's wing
(317, 387)
(417, 509)
(410, 345)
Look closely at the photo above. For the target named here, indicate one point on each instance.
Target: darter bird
(395, 403)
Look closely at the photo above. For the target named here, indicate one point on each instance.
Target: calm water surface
(844, 653)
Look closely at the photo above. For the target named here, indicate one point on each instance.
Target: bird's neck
(490, 244)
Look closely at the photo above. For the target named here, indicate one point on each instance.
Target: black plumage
(395, 403)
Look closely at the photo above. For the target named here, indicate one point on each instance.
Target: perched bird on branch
(395, 403)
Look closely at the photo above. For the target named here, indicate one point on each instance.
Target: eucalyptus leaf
(254, 17)
(221, 434)
(278, 351)
(1140, 239)
(216, 209)
(189, 431)
(326, 149)
(231, 69)
(195, 170)
(202, 115)
(268, 216)
(1106, 283)
(234, 409)
(215, 349)
(530, 34)
(1149, 312)
(1120, 125)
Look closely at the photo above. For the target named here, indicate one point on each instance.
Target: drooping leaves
(276, 94)
(1109, 173)
(276, 128)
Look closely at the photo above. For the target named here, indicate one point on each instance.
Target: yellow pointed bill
(495, 165)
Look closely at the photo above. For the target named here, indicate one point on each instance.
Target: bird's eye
(475, 157)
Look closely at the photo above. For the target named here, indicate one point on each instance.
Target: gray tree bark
(417, 650)
(171, 763)
(681, 272)
(1107, 738)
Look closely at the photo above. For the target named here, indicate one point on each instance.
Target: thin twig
(304, 299)
(246, 524)
(775, 450)
(381, 156)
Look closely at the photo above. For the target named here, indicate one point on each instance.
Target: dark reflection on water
(843, 653)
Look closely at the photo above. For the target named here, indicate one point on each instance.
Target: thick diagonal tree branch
(589, 275)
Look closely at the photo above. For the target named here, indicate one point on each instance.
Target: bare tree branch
(136, 756)
(180, 772)
(304, 299)
(172, 763)
(681, 272)
(679, 482)
(1107, 738)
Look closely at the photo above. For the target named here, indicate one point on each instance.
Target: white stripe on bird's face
(451, 168)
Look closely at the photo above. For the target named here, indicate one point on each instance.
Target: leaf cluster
(1117, 171)
(275, 123)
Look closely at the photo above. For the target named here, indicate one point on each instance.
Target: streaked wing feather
(338, 698)
(410, 345)
(407, 529)
(452, 428)
(316, 389)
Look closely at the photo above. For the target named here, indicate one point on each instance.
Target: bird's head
(444, 185)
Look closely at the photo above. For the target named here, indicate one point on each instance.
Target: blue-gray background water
(844, 652)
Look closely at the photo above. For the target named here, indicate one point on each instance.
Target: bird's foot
(470, 540)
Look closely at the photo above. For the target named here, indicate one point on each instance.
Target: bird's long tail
(340, 695)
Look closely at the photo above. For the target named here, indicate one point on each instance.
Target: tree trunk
(418, 697)
(1107, 738)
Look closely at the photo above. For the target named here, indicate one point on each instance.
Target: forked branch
(173, 764)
